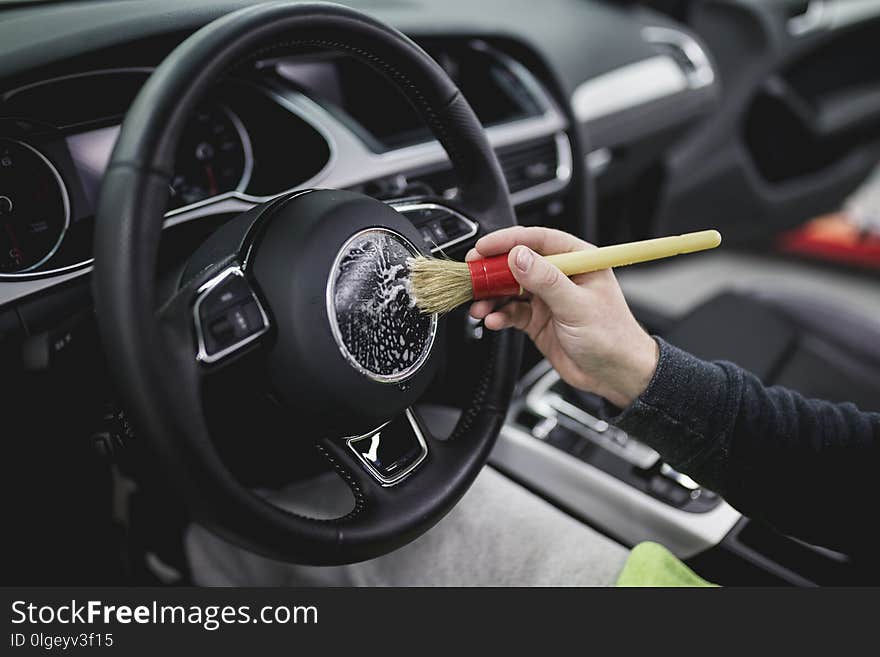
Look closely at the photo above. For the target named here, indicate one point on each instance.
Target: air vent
(530, 164)
(439, 183)
(532, 169)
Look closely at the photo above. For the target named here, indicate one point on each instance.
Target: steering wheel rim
(149, 341)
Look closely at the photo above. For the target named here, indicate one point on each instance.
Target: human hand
(582, 325)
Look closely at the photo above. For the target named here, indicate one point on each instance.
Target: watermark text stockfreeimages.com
(209, 617)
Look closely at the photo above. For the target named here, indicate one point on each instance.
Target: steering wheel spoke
(441, 225)
(388, 454)
(214, 320)
(227, 316)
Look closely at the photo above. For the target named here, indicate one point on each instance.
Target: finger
(594, 278)
(536, 275)
(545, 241)
(472, 254)
(479, 309)
(497, 322)
(516, 314)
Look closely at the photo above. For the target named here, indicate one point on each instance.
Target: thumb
(544, 280)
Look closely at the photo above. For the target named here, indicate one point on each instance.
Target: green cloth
(651, 564)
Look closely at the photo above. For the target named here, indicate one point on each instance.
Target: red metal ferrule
(491, 277)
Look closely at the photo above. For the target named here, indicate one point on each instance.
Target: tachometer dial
(34, 208)
(214, 157)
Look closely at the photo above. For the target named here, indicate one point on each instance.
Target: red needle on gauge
(212, 182)
(12, 238)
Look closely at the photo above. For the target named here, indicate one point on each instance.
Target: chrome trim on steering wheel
(396, 377)
(203, 356)
(413, 206)
(385, 481)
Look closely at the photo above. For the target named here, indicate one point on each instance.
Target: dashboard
(312, 119)
(309, 120)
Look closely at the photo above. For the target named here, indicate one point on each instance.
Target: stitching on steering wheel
(482, 389)
(360, 500)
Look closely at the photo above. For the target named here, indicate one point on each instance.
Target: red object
(835, 239)
(491, 277)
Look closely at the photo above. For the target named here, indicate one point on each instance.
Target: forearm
(773, 454)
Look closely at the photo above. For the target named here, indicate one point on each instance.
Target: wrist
(634, 369)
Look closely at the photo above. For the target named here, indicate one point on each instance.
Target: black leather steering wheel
(312, 286)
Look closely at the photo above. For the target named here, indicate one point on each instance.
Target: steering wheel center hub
(349, 341)
(372, 314)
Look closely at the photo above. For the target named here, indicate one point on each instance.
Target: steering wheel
(311, 286)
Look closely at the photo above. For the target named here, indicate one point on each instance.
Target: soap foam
(378, 321)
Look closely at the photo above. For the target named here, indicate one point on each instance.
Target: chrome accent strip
(473, 227)
(362, 165)
(564, 162)
(814, 18)
(246, 146)
(703, 74)
(850, 12)
(599, 160)
(545, 403)
(387, 482)
(203, 291)
(21, 287)
(628, 86)
(334, 324)
(65, 199)
(228, 204)
(565, 159)
(681, 479)
(832, 15)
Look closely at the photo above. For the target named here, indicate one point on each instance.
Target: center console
(567, 418)
(555, 443)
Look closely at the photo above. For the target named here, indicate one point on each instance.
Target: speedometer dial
(214, 157)
(34, 208)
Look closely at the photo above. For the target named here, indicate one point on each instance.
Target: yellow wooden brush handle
(618, 255)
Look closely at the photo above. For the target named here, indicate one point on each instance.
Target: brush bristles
(438, 285)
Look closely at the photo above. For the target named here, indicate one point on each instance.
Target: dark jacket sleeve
(806, 466)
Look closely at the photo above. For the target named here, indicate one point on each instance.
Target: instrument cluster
(57, 137)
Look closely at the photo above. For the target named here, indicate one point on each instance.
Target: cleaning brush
(438, 285)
